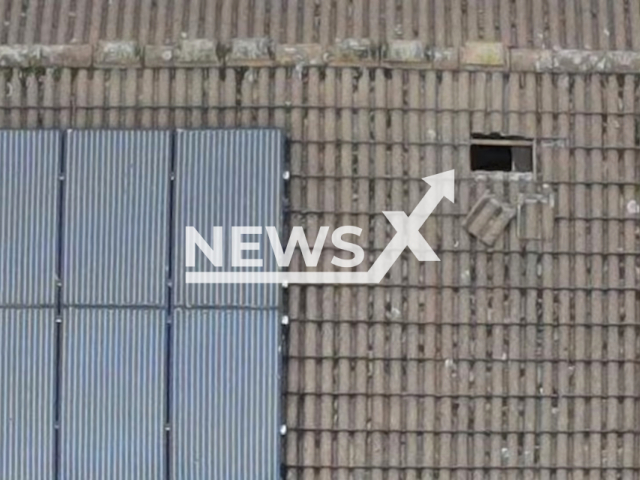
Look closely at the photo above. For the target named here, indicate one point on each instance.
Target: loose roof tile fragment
(488, 218)
(531, 209)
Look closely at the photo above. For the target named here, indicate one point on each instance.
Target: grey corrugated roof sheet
(112, 394)
(227, 178)
(225, 394)
(27, 383)
(29, 190)
(116, 214)
(225, 391)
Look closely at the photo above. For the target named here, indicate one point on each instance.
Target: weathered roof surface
(519, 358)
(572, 24)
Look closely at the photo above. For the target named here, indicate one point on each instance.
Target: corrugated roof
(112, 395)
(572, 24)
(27, 382)
(227, 178)
(225, 394)
(116, 214)
(29, 191)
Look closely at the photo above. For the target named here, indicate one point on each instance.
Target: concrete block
(159, 56)
(579, 61)
(444, 58)
(198, 52)
(300, 54)
(483, 54)
(186, 53)
(250, 52)
(70, 56)
(574, 61)
(623, 61)
(354, 52)
(18, 55)
(399, 52)
(531, 60)
(119, 54)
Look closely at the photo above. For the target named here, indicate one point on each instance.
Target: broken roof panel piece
(488, 218)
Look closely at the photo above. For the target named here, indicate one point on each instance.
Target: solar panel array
(107, 368)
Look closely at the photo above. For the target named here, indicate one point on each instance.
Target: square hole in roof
(498, 153)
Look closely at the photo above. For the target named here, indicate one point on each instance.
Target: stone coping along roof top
(363, 52)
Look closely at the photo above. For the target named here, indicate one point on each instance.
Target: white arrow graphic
(407, 235)
(408, 228)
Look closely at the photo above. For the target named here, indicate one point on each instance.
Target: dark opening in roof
(499, 153)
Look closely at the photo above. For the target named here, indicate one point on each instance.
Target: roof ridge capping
(348, 52)
(33, 55)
